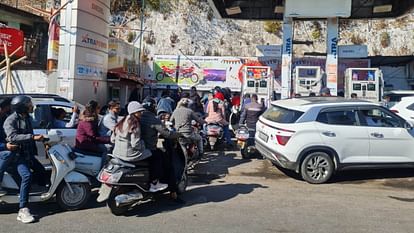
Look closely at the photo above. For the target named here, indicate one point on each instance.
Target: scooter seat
(116, 161)
(84, 152)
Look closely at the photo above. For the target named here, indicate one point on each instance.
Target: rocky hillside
(190, 27)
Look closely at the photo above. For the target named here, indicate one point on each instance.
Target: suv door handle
(377, 135)
(329, 134)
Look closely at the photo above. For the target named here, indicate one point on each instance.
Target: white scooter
(72, 189)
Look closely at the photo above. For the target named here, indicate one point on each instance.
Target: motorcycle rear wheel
(194, 78)
(116, 210)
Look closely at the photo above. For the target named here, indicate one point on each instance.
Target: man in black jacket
(251, 113)
(151, 126)
(19, 131)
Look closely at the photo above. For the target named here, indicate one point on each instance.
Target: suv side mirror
(408, 125)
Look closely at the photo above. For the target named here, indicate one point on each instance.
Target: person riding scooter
(182, 119)
(19, 131)
(251, 113)
(6, 149)
(249, 117)
(130, 147)
(152, 126)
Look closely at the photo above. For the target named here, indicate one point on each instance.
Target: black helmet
(21, 103)
(149, 104)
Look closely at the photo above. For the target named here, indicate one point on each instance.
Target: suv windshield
(281, 115)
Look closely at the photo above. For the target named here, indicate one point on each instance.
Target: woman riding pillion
(131, 148)
(216, 115)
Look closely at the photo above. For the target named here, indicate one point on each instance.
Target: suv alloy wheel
(317, 167)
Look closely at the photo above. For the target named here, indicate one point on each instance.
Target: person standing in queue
(19, 131)
(108, 122)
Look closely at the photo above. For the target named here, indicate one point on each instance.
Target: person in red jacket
(87, 135)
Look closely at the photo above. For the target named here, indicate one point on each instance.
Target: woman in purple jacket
(87, 135)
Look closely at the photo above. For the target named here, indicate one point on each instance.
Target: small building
(123, 81)
(35, 30)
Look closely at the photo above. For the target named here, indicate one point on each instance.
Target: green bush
(131, 36)
(316, 34)
(385, 39)
(273, 27)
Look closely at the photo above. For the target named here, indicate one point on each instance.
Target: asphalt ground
(229, 194)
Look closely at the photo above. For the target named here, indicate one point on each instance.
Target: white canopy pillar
(287, 51)
(331, 68)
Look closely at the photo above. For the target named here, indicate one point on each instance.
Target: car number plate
(263, 136)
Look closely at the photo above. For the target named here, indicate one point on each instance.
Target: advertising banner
(13, 38)
(53, 45)
(204, 72)
(207, 72)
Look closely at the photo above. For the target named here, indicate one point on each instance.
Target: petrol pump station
(308, 79)
(257, 80)
(366, 83)
(290, 11)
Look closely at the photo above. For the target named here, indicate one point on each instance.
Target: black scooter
(125, 185)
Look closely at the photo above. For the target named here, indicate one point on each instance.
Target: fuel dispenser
(366, 83)
(258, 80)
(307, 79)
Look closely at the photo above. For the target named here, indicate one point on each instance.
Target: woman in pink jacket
(216, 114)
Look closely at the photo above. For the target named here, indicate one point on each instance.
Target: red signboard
(13, 38)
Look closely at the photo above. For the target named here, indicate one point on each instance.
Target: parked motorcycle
(125, 185)
(245, 140)
(214, 134)
(71, 188)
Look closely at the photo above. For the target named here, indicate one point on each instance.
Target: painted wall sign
(13, 38)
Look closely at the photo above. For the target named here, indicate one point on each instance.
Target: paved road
(228, 194)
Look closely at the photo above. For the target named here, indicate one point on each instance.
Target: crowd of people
(120, 136)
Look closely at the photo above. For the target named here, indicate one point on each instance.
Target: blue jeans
(227, 135)
(23, 169)
(5, 158)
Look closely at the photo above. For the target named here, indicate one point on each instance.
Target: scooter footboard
(76, 177)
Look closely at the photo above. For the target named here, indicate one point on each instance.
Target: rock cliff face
(190, 27)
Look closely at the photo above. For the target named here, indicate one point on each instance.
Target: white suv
(42, 116)
(405, 108)
(316, 136)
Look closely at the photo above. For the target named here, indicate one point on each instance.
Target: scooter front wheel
(73, 198)
(116, 210)
(182, 184)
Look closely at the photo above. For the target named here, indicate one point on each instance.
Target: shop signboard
(13, 39)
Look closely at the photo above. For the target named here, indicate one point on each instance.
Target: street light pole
(140, 39)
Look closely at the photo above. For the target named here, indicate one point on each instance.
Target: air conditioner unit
(233, 10)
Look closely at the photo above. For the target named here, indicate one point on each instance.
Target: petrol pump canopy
(273, 9)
